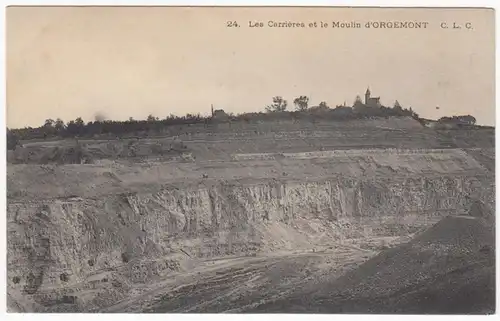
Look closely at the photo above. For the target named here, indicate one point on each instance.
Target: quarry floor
(237, 284)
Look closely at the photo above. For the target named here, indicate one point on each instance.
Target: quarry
(361, 216)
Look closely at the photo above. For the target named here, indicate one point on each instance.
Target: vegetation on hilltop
(276, 111)
(467, 119)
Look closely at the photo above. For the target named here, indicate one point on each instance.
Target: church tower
(367, 96)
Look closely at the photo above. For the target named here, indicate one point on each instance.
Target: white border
(386, 3)
(359, 3)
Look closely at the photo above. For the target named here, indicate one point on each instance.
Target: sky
(69, 62)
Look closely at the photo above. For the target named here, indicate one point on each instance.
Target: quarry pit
(253, 220)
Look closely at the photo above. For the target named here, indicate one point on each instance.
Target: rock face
(55, 243)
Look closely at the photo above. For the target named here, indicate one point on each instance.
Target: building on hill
(371, 101)
(219, 114)
(458, 120)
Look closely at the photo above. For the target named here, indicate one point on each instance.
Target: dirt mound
(447, 269)
(465, 233)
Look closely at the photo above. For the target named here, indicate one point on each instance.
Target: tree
(301, 103)
(49, 123)
(279, 105)
(397, 106)
(72, 128)
(79, 122)
(48, 128)
(358, 103)
(152, 118)
(413, 114)
(323, 105)
(59, 125)
(76, 127)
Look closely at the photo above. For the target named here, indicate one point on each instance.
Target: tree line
(357, 110)
(276, 110)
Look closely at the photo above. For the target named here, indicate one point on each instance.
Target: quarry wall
(56, 244)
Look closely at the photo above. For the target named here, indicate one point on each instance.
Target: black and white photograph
(250, 160)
